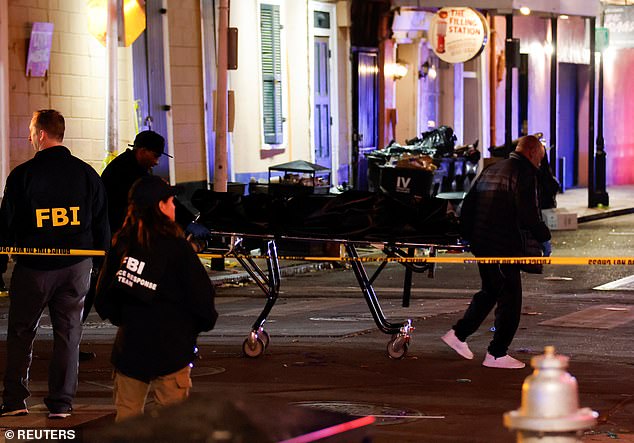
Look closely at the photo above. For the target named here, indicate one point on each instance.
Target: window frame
(280, 144)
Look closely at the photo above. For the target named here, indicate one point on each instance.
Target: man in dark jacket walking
(498, 215)
(54, 200)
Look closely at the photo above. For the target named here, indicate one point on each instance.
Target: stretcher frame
(269, 281)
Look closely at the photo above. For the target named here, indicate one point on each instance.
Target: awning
(298, 166)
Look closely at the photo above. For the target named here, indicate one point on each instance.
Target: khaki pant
(130, 393)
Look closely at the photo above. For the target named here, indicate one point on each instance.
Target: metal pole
(553, 99)
(112, 86)
(208, 26)
(508, 95)
(4, 96)
(492, 82)
(591, 97)
(600, 156)
(220, 166)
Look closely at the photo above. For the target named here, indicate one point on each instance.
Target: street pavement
(326, 354)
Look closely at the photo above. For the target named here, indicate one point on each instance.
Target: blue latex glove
(547, 248)
(197, 231)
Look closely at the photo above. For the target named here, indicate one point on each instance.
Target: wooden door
(365, 109)
(323, 122)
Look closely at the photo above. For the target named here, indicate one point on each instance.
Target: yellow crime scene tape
(451, 259)
(15, 250)
(458, 260)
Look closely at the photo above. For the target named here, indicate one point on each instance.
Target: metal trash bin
(406, 182)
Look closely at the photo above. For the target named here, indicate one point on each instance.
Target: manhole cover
(384, 414)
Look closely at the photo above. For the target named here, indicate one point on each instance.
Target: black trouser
(63, 291)
(501, 286)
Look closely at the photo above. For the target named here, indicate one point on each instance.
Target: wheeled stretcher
(239, 245)
(269, 281)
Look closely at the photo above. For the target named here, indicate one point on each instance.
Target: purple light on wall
(618, 116)
(39, 54)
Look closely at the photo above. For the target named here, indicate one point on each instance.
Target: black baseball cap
(149, 190)
(152, 141)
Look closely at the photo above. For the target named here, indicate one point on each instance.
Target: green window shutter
(271, 73)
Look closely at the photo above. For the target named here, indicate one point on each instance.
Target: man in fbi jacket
(54, 200)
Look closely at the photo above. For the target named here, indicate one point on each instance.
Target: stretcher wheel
(264, 336)
(397, 347)
(253, 349)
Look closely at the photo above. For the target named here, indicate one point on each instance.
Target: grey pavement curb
(602, 215)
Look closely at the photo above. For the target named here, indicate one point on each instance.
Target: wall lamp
(397, 70)
(427, 70)
(132, 12)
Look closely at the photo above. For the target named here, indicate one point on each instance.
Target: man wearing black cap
(125, 169)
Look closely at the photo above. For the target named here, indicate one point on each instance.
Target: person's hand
(197, 235)
(547, 248)
(198, 244)
(197, 231)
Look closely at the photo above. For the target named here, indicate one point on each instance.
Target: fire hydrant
(550, 405)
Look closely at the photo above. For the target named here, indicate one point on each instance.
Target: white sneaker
(58, 415)
(454, 343)
(506, 362)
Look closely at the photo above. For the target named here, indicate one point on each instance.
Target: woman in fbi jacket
(154, 288)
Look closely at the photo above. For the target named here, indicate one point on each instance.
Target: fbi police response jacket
(54, 200)
(161, 299)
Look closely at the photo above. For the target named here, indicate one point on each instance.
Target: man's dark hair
(51, 121)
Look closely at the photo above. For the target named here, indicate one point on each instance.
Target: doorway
(568, 126)
(323, 120)
(365, 112)
(324, 115)
(472, 99)
(148, 65)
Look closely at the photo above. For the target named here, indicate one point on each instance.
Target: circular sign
(458, 34)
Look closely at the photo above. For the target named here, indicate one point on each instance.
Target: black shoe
(86, 356)
(6, 411)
